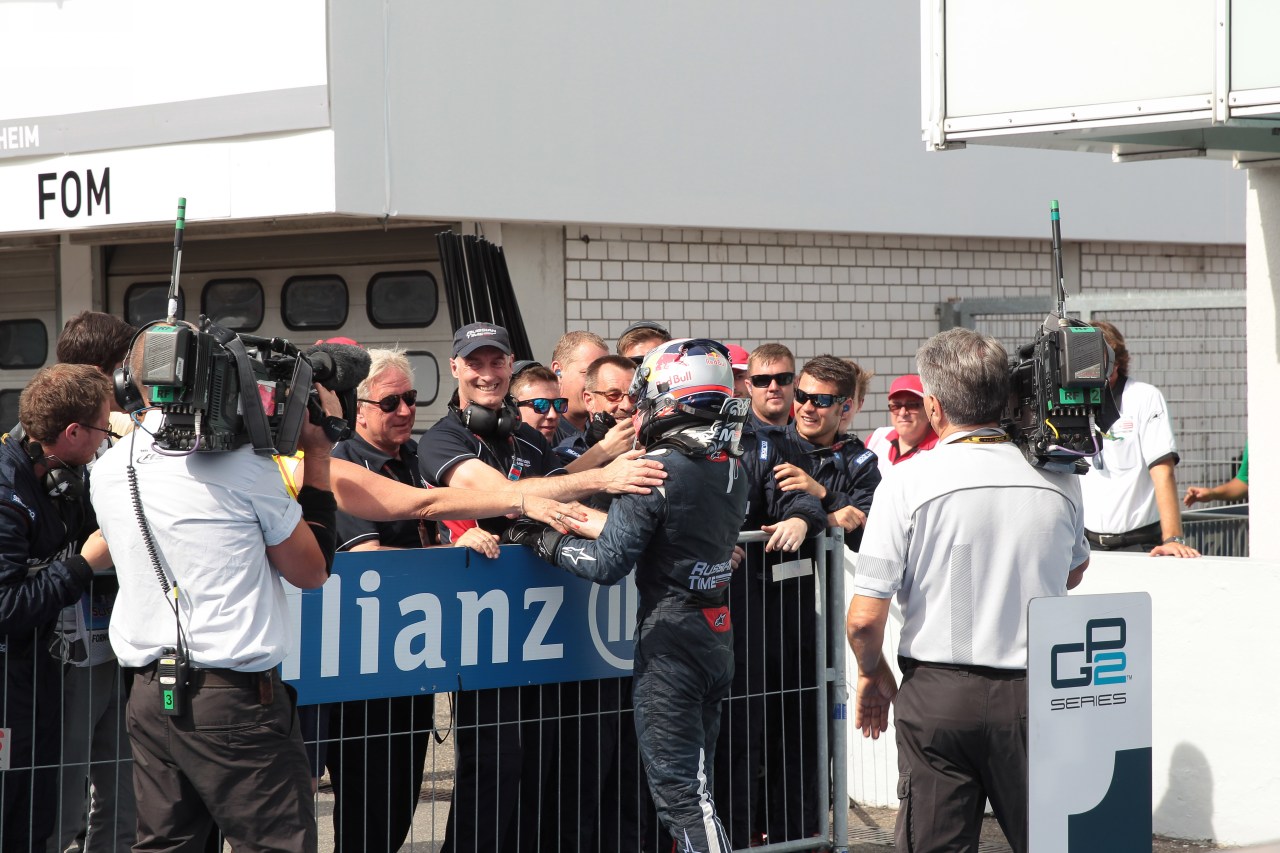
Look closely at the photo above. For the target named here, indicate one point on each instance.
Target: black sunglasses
(820, 401)
(109, 432)
(391, 402)
(542, 404)
(762, 380)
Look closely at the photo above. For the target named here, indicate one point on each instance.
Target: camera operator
(44, 518)
(220, 530)
(966, 542)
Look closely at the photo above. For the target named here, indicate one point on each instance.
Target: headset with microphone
(62, 482)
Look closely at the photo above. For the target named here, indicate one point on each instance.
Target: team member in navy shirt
(481, 444)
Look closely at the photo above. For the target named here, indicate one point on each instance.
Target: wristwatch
(1177, 539)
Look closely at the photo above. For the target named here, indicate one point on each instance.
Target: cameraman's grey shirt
(966, 536)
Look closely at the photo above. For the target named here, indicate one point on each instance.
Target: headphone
(128, 397)
(490, 425)
(62, 483)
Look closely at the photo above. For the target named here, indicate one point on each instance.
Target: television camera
(1057, 383)
(219, 390)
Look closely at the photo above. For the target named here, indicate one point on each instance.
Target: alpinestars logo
(576, 554)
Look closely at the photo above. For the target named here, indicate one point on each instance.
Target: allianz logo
(420, 622)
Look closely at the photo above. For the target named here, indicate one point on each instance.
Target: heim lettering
(1103, 664)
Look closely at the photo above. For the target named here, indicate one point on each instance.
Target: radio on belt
(171, 672)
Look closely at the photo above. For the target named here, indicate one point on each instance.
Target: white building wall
(870, 297)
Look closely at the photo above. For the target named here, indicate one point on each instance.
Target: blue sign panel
(398, 623)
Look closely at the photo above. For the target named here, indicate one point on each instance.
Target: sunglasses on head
(391, 402)
(762, 380)
(909, 405)
(820, 401)
(541, 405)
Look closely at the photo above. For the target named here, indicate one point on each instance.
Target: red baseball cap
(909, 384)
(738, 357)
(347, 342)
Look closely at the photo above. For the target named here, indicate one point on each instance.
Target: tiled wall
(873, 297)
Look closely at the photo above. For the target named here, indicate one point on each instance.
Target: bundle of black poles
(478, 287)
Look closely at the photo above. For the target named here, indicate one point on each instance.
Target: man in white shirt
(965, 543)
(1130, 493)
(201, 542)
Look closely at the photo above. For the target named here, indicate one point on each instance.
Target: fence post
(839, 692)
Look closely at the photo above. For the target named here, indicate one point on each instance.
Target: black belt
(210, 677)
(1147, 535)
(907, 664)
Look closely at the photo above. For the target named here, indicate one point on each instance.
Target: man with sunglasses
(610, 431)
(841, 473)
(537, 393)
(910, 433)
(789, 517)
(377, 767)
(772, 370)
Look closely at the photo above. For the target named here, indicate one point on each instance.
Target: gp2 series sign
(1089, 722)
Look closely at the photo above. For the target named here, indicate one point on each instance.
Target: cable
(149, 542)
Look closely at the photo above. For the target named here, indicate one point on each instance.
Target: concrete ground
(870, 828)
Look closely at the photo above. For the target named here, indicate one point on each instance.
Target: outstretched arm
(366, 494)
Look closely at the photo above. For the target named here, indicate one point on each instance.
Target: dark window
(399, 300)
(426, 376)
(9, 409)
(146, 302)
(314, 302)
(234, 303)
(24, 344)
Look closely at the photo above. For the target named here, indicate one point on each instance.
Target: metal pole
(839, 696)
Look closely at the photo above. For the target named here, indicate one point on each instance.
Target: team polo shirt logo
(518, 465)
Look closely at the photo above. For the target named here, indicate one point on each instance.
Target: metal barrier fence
(1220, 532)
(533, 766)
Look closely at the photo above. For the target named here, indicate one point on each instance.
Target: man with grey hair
(966, 542)
(377, 766)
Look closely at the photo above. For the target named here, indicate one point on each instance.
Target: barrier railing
(1219, 532)
(538, 662)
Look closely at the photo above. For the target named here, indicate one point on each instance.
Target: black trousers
(229, 759)
(376, 769)
(962, 739)
(491, 736)
(601, 792)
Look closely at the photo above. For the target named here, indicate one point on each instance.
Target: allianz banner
(398, 623)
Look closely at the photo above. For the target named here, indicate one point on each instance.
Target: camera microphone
(338, 367)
